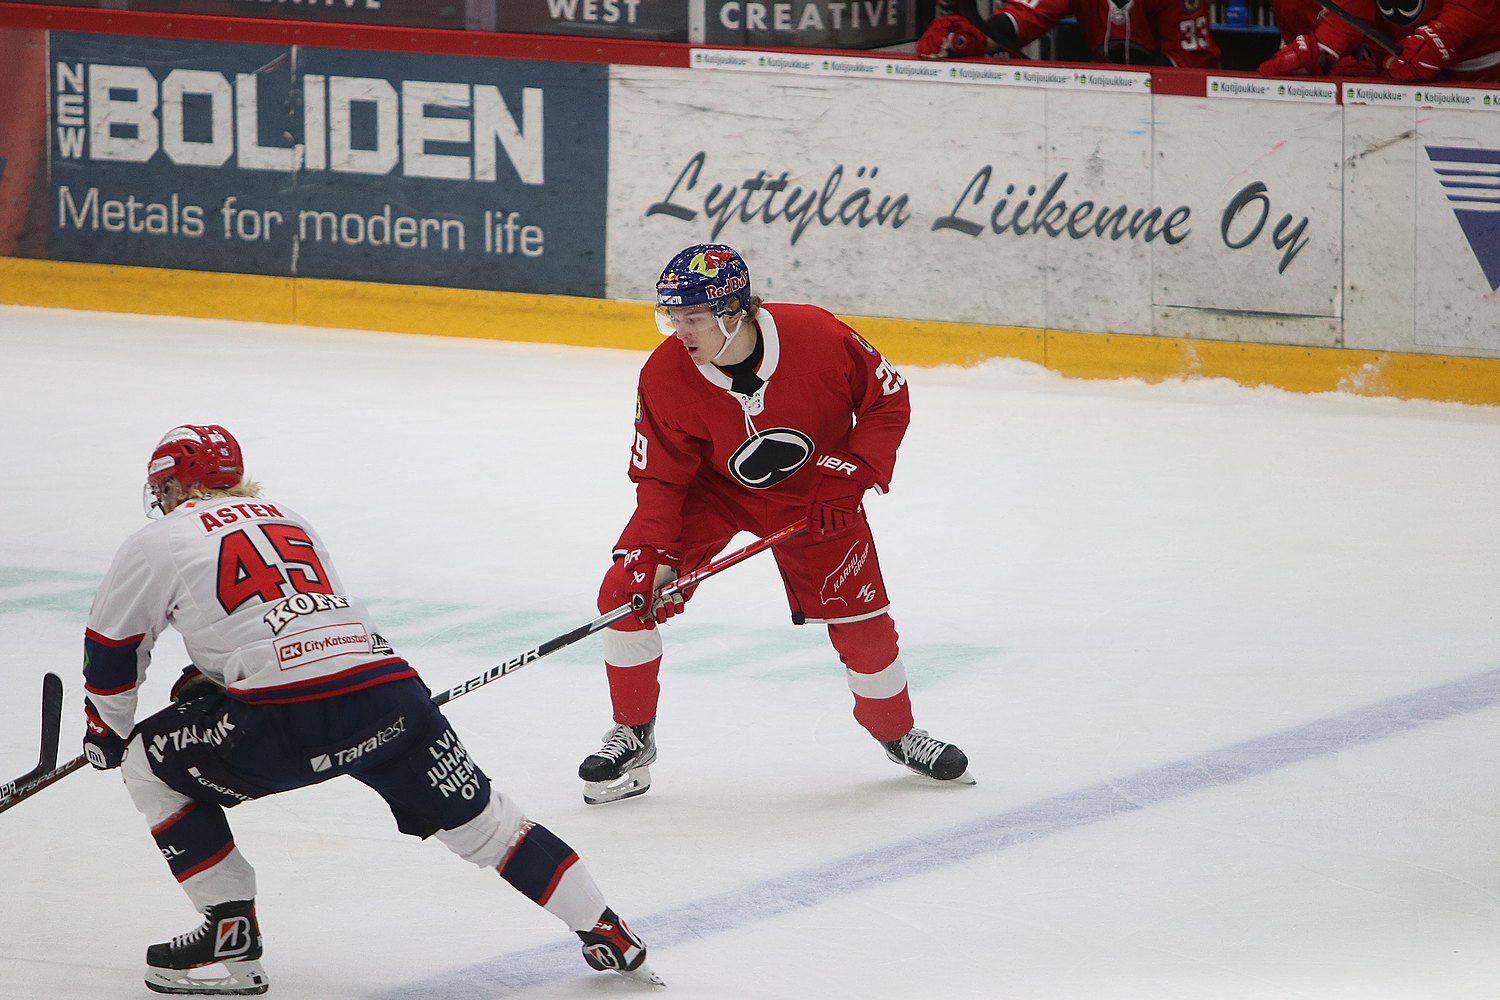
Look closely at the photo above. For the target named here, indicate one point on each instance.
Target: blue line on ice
(507, 975)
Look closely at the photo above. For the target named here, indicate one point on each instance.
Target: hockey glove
(951, 37)
(1300, 55)
(1351, 67)
(1423, 56)
(193, 684)
(634, 578)
(836, 494)
(101, 745)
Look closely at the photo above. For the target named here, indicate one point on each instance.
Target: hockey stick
(1359, 24)
(52, 699)
(46, 770)
(604, 621)
(45, 774)
(25, 789)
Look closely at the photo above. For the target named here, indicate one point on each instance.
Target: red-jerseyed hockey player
(290, 686)
(1448, 39)
(1128, 32)
(750, 418)
(1300, 17)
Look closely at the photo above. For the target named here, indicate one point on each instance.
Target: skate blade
(627, 786)
(643, 974)
(967, 778)
(240, 979)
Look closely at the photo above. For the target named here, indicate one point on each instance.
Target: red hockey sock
(634, 691)
(877, 677)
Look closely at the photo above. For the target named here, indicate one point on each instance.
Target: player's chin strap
(728, 335)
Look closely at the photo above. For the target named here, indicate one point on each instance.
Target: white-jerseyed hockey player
(290, 686)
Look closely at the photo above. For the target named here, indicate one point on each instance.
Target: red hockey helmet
(202, 456)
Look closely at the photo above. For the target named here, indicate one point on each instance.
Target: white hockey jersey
(253, 592)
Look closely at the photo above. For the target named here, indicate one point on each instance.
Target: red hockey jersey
(824, 389)
(1177, 29)
(1470, 29)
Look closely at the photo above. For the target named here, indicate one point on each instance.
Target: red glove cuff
(631, 579)
(835, 499)
(1424, 53)
(951, 37)
(91, 721)
(646, 554)
(841, 465)
(1301, 55)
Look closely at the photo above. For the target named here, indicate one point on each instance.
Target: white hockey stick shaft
(45, 774)
(604, 621)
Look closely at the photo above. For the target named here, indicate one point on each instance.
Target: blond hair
(244, 488)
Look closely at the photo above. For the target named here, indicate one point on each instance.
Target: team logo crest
(862, 342)
(770, 457)
(1402, 12)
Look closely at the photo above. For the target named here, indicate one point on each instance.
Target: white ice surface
(1226, 661)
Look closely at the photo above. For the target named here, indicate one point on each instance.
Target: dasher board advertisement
(367, 166)
(1036, 204)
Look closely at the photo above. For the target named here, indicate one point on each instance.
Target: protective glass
(670, 319)
(151, 502)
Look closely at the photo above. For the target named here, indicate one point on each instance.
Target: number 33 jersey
(253, 592)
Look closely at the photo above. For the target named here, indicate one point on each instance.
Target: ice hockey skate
(228, 937)
(929, 757)
(612, 947)
(618, 770)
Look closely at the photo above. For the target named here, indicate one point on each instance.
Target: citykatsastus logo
(1468, 178)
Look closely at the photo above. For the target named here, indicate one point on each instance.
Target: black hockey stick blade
(52, 706)
(1359, 24)
(46, 770)
(52, 702)
(604, 621)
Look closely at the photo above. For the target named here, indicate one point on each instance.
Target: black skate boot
(929, 757)
(618, 770)
(229, 936)
(611, 947)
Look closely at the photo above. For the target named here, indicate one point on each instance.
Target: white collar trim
(770, 357)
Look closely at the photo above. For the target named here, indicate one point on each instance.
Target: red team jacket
(825, 389)
(1178, 29)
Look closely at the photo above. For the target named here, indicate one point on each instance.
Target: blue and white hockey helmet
(708, 274)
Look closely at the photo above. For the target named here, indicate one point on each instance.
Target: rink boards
(1102, 222)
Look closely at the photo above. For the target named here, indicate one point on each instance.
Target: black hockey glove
(193, 684)
(101, 745)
